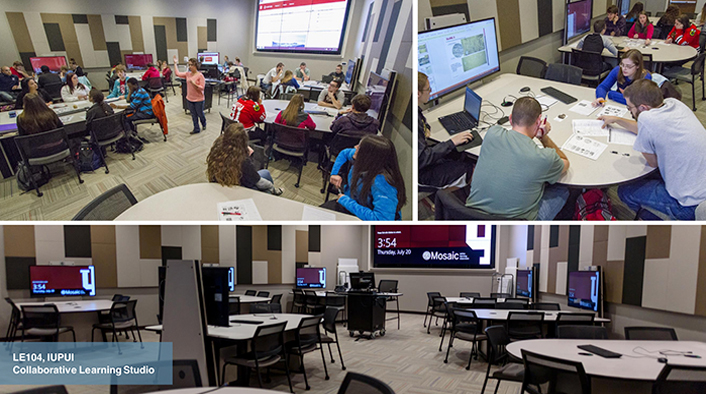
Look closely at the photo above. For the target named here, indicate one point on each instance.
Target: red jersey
(151, 72)
(248, 112)
(690, 36)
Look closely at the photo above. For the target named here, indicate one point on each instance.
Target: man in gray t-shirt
(672, 139)
(332, 97)
(512, 171)
(302, 73)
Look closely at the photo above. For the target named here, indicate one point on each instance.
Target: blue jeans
(264, 173)
(553, 200)
(5, 96)
(196, 109)
(652, 193)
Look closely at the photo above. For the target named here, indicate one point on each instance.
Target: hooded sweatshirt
(355, 124)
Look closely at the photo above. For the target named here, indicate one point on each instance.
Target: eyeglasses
(628, 66)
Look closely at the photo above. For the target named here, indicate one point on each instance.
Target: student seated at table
(18, 69)
(75, 67)
(238, 62)
(73, 90)
(151, 72)
(615, 23)
(597, 41)
(289, 82)
(47, 77)
(8, 84)
(99, 109)
(30, 86)
(672, 139)
(631, 68)
(439, 165)
(355, 120)
(634, 12)
(166, 71)
(139, 104)
(684, 33)
(375, 188)
(302, 72)
(272, 76)
(63, 70)
(294, 114)
(510, 179)
(332, 97)
(120, 86)
(338, 75)
(249, 111)
(229, 163)
(666, 22)
(36, 117)
(642, 28)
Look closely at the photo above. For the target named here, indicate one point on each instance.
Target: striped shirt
(140, 102)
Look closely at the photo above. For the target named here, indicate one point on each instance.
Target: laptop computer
(466, 119)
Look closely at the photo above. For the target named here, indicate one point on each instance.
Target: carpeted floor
(408, 360)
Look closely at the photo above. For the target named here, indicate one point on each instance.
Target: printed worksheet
(612, 110)
(240, 210)
(589, 127)
(583, 107)
(621, 137)
(584, 146)
(313, 214)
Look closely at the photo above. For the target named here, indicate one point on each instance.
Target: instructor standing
(195, 98)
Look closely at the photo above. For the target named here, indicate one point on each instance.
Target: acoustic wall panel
(574, 248)
(181, 30)
(20, 32)
(544, 260)
(655, 284)
(49, 243)
(659, 241)
(19, 241)
(114, 54)
(683, 273)
(529, 28)
(530, 237)
(191, 242)
(634, 270)
(302, 246)
(56, 41)
(445, 7)
(701, 280)
(635, 231)
(274, 238)
(288, 254)
(558, 11)
(171, 253)
(201, 38)
(545, 20)
(95, 26)
(226, 245)
(77, 241)
(243, 236)
(17, 271)
(149, 272)
(486, 9)
(35, 27)
(103, 256)
(562, 272)
(127, 244)
(259, 272)
(160, 39)
(586, 246)
(150, 242)
(314, 238)
(613, 275)
(616, 243)
(553, 236)
(136, 39)
(209, 244)
(212, 31)
(171, 235)
(509, 23)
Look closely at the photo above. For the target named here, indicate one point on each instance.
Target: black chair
(298, 302)
(355, 383)
(185, 374)
(575, 318)
(466, 327)
(648, 62)
(339, 142)
(524, 325)
(518, 300)
(390, 286)
(326, 78)
(484, 303)
(234, 305)
(54, 90)
(250, 292)
(225, 122)
(151, 121)
(267, 349)
(104, 316)
(500, 295)
(122, 318)
(450, 207)
(511, 305)
(15, 323)
(261, 307)
(511, 371)
(108, 205)
(650, 334)
(45, 148)
(430, 304)
(438, 310)
(448, 319)
(329, 325)
(43, 321)
(531, 66)
(292, 142)
(306, 338)
(156, 86)
(107, 131)
(313, 95)
(276, 303)
(546, 306)
(545, 374)
(336, 301)
(312, 305)
(581, 332)
(689, 75)
(264, 294)
(565, 73)
(469, 294)
(169, 83)
(593, 68)
(44, 390)
(678, 379)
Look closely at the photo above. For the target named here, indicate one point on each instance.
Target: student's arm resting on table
(66, 95)
(603, 89)
(627, 124)
(384, 202)
(309, 123)
(548, 143)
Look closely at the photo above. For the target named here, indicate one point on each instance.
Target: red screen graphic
(419, 236)
(135, 61)
(309, 277)
(55, 278)
(53, 62)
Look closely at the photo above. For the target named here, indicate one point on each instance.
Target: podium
(366, 314)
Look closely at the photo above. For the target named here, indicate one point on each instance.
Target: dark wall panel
(553, 236)
(211, 24)
(634, 271)
(77, 241)
(388, 35)
(160, 41)
(17, 272)
(170, 253)
(182, 33)
(25, 56)
(80, 18)
(574, 244)
(381, 19)
(56, 41)
(243, 254)
(544, 14)
(114, 54)
(314, 238)
(530, 237)
(367, 22)
(274, 237)
(122, 20)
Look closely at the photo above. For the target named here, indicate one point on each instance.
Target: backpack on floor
(594, 205)
(40, 174)
(123, 145)
(88, 159)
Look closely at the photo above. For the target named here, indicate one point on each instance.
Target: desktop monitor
(53, 62)
(524, 284)
(208, 58)
(349, 71)
(311, 278)
(210, 71)
(578, 19)
(376, 90)
(216, 291)
(362, 280)
(452, 57)
(62, 280)
(137, 61)
(584, 290)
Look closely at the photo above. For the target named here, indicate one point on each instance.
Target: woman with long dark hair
(375, 188)
(229, 162)
(642, 28)
(36, 117)
(73, 90)
(634, 12)
(29, 85)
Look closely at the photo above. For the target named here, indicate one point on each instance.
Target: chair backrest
(500, 295)
(648, 62)
(250, 292)
(440, 303)
(388, 286)
(564, 73)
(531, 66)
(575, 318)
(546, 306)
(326, 78)
(276, 299)
(299, 296)
(290, 138)
(44, 390)
(343, 140)
(260, 307)
(308, 330)
(123, 311)
(511, 305)
(234, 305)
(330, 315)
(679, 379)
(581, 332)
(225, 122)
(529, 316)
(263, 294)
(554, 375)
(517, 300)
(355, 383)
(430, 297)
(697, 67)
(108, 205)
(108, 127)
(54, 89)
(484, 302)
(463, 316)
(40, 145)
(497, 340)
(469, 294)
(313, 94)
(650, 334)
(268, 340)
(120, 297)
(450, 207)
(40, 316)
(155, 83)
(335, 300)
(185, 374)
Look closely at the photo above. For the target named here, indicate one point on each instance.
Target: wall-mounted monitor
(216, 289)
(377, 91)
(362, 280)
(452, 57)
(349, 71)
(437, 246)
(524, 286)
(53, 62)
(585, 290)
(208, 58)
(301, 26)
(311, 278)
(137, 61)
(62, 280)
(578, 19)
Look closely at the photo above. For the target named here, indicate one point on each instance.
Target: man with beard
(671, 138)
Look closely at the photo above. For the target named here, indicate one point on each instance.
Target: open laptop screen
(472, 104)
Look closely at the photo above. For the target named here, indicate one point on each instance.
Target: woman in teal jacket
(119, 87)
(375, 188)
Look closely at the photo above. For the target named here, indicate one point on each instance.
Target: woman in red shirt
(249, 111)
(642, 28)
(151, 72)
(294, 114)
(684, 32)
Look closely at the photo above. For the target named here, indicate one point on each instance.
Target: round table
(199, 201)
(323, 122)
(661, 52)
(222, 390)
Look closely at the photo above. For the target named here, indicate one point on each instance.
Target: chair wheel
(107, 172)
(81, 181)
(468, 368)
(446, 361)
(327, 378)
(296, 185)
(344, 368)
(308, 387)
(323, 191)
